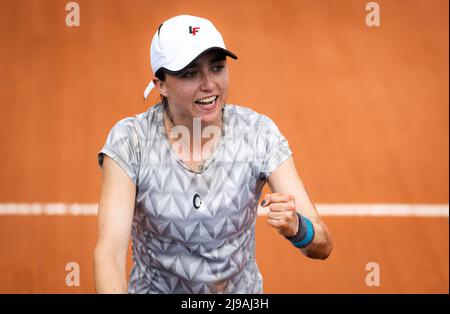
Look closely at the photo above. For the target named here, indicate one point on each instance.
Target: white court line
(90, 209)
(394, 210)
(48, 209)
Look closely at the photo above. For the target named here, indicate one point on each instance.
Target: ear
(161, 86)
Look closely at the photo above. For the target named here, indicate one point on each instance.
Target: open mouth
(207, 101)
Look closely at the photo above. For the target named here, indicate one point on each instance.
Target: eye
(218, 68)
(189, 74)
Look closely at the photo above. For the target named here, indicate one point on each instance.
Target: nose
(207, 82)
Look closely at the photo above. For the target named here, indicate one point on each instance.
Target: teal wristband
(305, 234)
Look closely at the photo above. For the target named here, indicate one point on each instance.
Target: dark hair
(161, 75)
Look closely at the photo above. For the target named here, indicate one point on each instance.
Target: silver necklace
(201, 166)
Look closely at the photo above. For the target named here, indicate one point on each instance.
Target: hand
(282, 213)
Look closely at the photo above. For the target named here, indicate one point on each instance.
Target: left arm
(289, 197)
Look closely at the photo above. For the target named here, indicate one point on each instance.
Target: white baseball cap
(179, 41)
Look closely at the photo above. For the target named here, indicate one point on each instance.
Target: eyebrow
(213, 60)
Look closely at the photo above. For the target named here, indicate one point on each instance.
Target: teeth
(207, 100)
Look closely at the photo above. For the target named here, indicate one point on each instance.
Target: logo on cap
(193, 30)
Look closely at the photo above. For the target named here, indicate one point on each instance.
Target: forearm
(109, 273)
(322, 245)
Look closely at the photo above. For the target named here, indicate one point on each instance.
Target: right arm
(115, 215)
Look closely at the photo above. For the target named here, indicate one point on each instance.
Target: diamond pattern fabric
(177, 247)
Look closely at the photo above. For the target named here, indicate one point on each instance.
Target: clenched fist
(282, 213)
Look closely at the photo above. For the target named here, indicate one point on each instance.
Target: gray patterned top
(193, 232)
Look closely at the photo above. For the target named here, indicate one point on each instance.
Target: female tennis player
(184, 179)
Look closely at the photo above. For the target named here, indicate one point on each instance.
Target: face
(199, 91)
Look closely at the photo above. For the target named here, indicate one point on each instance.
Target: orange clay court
(365, 110)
